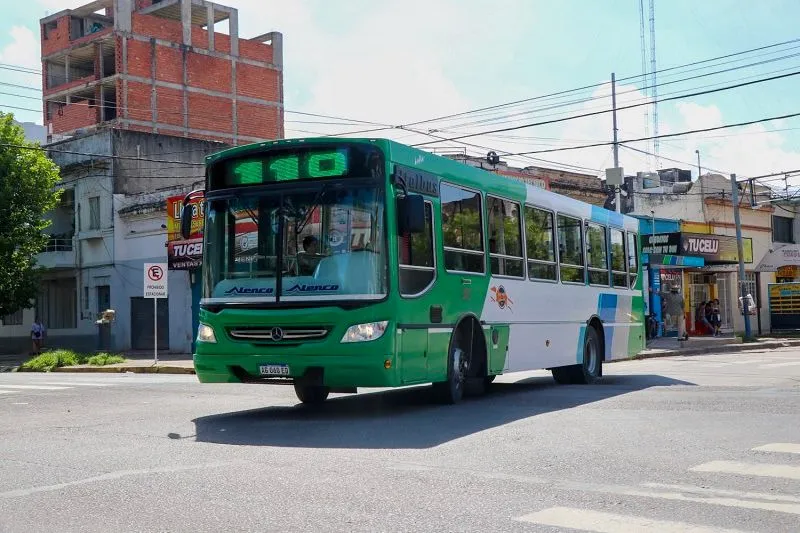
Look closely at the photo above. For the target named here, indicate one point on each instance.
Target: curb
(725, 348)
(123, 369)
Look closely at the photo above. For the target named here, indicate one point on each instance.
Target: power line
(663, 136)
(595, 113)
(99, 156)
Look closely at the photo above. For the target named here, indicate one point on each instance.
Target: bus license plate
(274, 370)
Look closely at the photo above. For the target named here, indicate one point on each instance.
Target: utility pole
(698, 163)
(617, 195)
(740, 250)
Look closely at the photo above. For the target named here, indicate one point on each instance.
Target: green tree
(27, 192)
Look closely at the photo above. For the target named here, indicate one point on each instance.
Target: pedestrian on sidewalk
(37, 336)
(674, 307)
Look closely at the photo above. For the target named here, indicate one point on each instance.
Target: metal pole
(617, 195)
(155, 330)
(698, 163)
(740, 250)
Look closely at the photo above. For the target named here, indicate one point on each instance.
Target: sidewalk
(142, 363)
(671, 346)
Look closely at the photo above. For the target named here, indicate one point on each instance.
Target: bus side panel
(497, 345)
(536, 346)
(438, 343)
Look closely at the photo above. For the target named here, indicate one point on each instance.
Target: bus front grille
(278, 334)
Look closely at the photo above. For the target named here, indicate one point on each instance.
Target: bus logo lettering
(313, 288)
(249, 290)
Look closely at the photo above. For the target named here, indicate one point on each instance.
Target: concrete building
(160, 66)
(701, 244)
(101, 235)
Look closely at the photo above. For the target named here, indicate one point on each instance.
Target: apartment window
(417, 267)
(103, 298)
(14, 319)
(541, 244)
(782, 229)
(597, 253)
(462, 229)
(633, 259)
(505, 237)
(86, 298)
(570, 249)
(94, 212)
(57, 303)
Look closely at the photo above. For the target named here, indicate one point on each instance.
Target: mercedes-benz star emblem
(277, 334)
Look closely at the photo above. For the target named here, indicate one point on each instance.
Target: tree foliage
(27, 192)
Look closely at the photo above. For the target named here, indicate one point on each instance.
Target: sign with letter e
(155, 280)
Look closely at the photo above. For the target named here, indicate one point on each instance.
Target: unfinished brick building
(159, 66)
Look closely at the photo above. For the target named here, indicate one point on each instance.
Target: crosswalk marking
(749, 469)
(779, 365)
(7, 391)
(780, 447)
(600, 522)
(76, 384)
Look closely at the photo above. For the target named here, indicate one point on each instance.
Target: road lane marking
(110, 476)
(749, 469)
(724, 492)
(778, 503)
(7, 391)
(76, 384)
(600, 522)
(32, 387)
(780, 447)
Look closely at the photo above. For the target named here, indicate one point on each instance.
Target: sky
(399, 62)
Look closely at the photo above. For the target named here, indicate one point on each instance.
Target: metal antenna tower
(653, 87)
(644, 76)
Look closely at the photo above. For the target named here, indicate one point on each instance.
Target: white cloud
(23, 50)
(699, 117)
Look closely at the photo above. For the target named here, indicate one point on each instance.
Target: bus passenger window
(539, 233)
(597, 252)
(415, 252)
(505, 237)
(633, 259)
(462, 229)
(570, 249)
(618, 268)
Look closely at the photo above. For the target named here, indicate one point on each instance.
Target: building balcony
(59, 253)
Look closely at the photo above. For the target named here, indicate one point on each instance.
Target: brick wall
(160, 28)
(139, 58)
(139, 101)
(169, 64)
(208, 72)
(257, 82)
(169, 103)
(255, 50)
(56, 39)
(210, 113)
(73, 116)
(258, 121)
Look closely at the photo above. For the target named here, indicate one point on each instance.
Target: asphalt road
(709, 442)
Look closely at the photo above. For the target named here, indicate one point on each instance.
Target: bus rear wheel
(590, 368)
(311, 394)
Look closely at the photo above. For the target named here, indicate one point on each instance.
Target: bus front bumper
(336, 371)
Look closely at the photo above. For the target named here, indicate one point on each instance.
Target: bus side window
(633, 259)
(540, 236)
(462, 229)
(505, 237)
(597, 254)
(415, 253)
(618, 267)
(570, 242)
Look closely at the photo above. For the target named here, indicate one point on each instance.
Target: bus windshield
(328, 240)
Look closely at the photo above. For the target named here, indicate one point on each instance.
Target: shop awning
(672, 261)
(780, 256)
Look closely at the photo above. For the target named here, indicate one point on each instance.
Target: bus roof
(455, 172)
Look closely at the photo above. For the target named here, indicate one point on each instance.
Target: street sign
(155, 280)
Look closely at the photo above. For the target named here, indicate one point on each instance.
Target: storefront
(703, 267)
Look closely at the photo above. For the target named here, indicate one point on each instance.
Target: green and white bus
(333, 264)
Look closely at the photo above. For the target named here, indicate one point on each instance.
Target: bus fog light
(365, 332)
(205, 334)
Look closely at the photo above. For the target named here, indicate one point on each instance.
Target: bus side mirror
(186, 213)
(411, 214)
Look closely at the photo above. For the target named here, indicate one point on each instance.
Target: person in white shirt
(37, 336)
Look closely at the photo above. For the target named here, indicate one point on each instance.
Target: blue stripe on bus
(607, 307)
(604, 216)
(581, 340)
(609, 334)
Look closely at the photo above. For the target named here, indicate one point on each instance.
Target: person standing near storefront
(674, 308)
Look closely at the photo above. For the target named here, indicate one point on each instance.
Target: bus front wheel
(590, 368)
(311, 394)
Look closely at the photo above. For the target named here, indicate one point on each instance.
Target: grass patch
(47, 361)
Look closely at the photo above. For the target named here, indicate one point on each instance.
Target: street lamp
(698, 163)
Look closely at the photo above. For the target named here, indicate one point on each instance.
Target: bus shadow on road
(408, 418)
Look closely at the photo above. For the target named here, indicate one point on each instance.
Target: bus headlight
(365, 332)
(205, 334)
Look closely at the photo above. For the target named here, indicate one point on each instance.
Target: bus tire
(311, 394)
(459, 359)
(590, 368)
